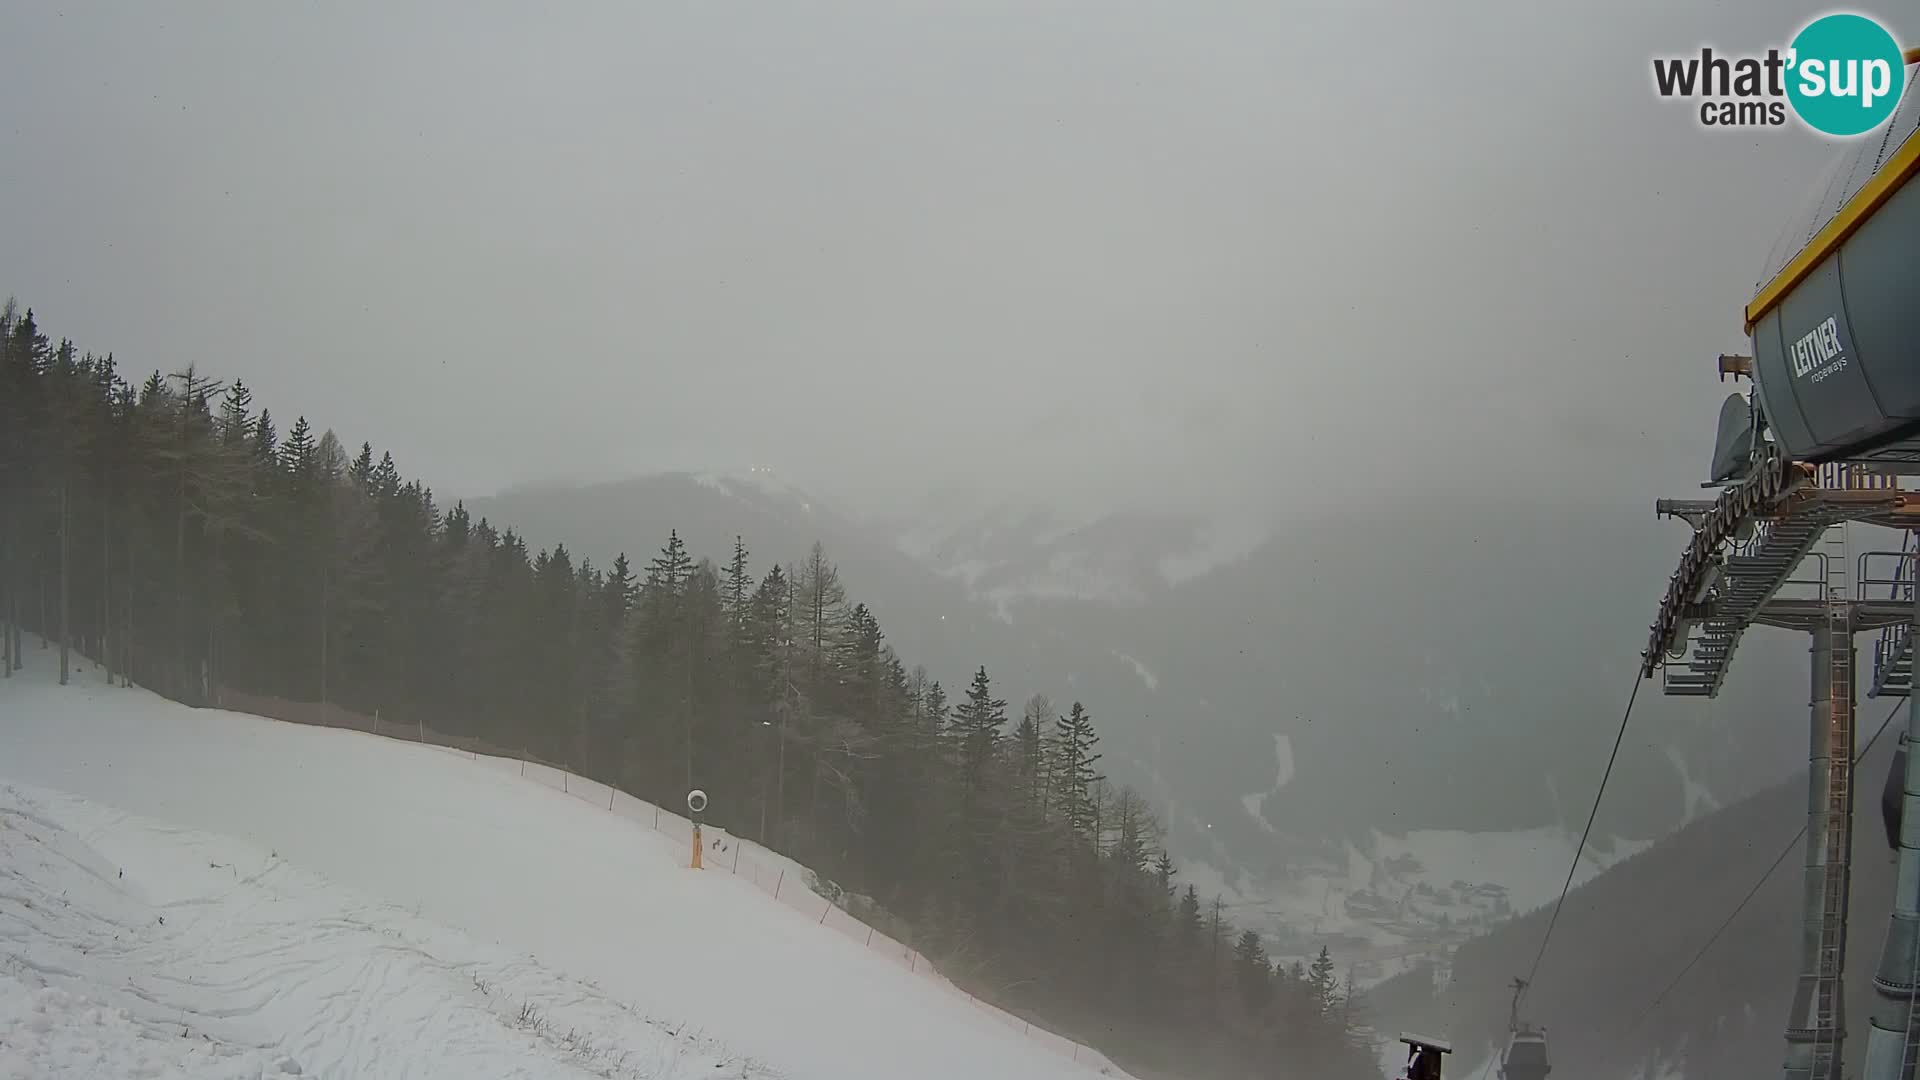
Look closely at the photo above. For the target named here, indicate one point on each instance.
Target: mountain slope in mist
(1288, 696)
(1622, 938)
(375, 907)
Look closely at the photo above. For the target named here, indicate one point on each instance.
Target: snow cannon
(696, 805)
(1423, 1057)
(1834, 325)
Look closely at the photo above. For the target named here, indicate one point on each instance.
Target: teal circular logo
(1844, 74)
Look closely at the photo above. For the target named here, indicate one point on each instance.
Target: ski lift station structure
(1829, 434)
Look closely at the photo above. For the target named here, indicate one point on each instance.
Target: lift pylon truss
(1739, 564)
(1738, 571)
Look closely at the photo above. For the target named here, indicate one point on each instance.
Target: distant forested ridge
(183, 537)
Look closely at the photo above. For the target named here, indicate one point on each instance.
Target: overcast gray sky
(1176, 251)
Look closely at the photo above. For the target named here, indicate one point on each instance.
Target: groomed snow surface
(201, 894)
(137, 949)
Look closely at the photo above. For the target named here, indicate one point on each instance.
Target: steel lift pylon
(1893, 1031)
(1739, 572)
(1832, 425)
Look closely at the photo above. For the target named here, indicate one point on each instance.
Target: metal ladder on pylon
(1903, 590)
(1910, 1042)
(1837, 844)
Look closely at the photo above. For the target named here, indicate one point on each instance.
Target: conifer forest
(180, 535)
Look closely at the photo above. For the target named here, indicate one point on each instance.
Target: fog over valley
(1145, 512)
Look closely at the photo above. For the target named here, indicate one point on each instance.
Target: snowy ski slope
(134, 948)
(337, 904)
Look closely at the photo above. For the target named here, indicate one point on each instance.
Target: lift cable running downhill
(1794, 842)
(1522, 985)
(1572, 870)
(1826, 436)
(1765, 876)
(1517, 1033)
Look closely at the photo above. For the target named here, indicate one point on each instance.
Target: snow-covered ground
(347, 905)
(1147, 677)
(135, 948)
(1530, 865)
(1404, 897)
(1044, 550)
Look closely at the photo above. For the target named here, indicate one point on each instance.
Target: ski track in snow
(52, 1034)
(1140, 670)
(137, 949)
(366, 885)
(1252, 803)
(1699, 800)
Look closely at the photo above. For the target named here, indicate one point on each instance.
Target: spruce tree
(303, 573)
(978, 724)
(1252, 971)
(1075, 780)
(1324, 984)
